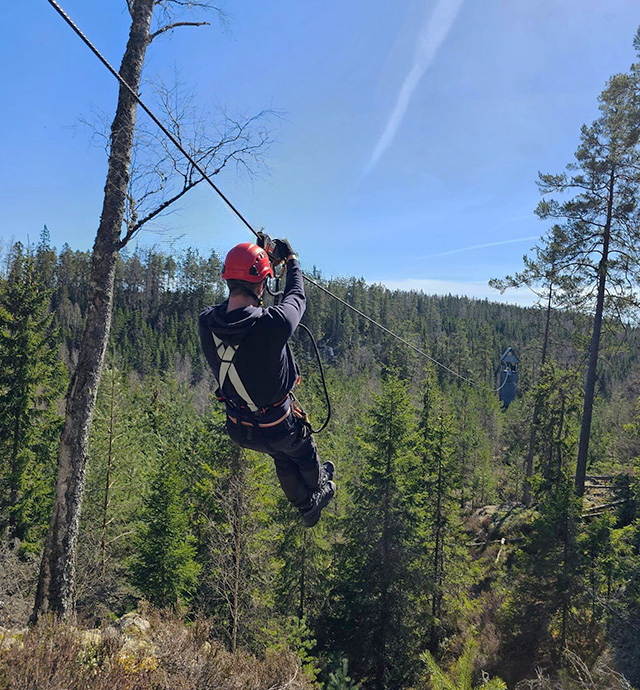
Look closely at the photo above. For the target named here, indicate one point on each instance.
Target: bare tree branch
(175, 25)
(156, 212)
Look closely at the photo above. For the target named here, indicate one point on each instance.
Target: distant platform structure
(507, 377)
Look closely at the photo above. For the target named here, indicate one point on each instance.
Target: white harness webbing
(227, 354)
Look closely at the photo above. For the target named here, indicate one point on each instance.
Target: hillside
(427, 464)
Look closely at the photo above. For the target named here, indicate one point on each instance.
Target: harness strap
(262, 426)
(227, 354)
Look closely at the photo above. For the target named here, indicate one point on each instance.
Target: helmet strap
(251, 293)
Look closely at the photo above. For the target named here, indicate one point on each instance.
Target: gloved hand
(281, 250)
(262, 239)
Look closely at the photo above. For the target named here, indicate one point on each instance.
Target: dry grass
(578, 676)
(170, 656)
(18, 578)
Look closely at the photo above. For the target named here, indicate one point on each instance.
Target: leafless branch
(156, 212)
(175, 25)
(161, 175)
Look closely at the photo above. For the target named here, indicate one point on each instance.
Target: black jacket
(264, 360)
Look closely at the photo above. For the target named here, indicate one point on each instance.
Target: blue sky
(411, 136)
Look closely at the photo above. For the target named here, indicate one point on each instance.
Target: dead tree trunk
(56, 584)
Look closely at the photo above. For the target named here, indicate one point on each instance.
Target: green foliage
(297, 637)
(558, 403)
(340, 679)
(31, 382)
(175, 512)
(164, 567)
(439, 495)
(165, 570)
(121, 454)
(378, 584)
(461, 675)
(233, 501)
(539, 617)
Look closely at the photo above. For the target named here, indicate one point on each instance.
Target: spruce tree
(233, 496)
(378, 587)
(122, 453)
(31, 382)
(165, 569)
(539, 617)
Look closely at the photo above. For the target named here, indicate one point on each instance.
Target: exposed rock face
(9, 638)
(132, 624)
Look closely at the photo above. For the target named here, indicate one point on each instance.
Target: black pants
(293, 449)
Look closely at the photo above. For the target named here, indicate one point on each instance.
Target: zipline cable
(199, 169)
(149, 112)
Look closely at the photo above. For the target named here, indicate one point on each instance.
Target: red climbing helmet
(247, 262)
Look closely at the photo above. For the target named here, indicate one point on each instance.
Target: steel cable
(199, 169)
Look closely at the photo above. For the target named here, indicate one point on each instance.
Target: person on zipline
(247, 347)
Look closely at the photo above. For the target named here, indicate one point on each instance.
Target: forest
(429, 552)
(471, 544)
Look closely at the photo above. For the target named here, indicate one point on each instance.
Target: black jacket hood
(229, 325)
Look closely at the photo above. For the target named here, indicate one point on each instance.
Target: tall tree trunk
(107, 489)
(384, 589)
(437, 555)
(14, 477)
(594, 349)
(561, 437)
(565, 582)
(56, 583)
(237, 556)
(526, 494)
(237, 489)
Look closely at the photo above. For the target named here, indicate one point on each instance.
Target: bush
(169, 656)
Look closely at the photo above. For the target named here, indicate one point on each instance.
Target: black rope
(322, 378)
(277, 296)
(199, 169)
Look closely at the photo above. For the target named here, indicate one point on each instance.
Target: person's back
(247, 348)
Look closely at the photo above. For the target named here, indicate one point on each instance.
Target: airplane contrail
(431, 36)
(482, 246)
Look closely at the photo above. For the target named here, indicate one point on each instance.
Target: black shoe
(319, 500)
(326, 472)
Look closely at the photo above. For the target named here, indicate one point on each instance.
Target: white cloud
(431, 36)
(482, 246)
(477, 289)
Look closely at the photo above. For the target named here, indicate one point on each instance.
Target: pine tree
(461, 675)
(599, 224)
(555, 398)
(554, 287)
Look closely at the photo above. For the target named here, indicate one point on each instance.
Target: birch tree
(132, 198)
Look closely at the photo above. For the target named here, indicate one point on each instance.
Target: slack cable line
(219, 192)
